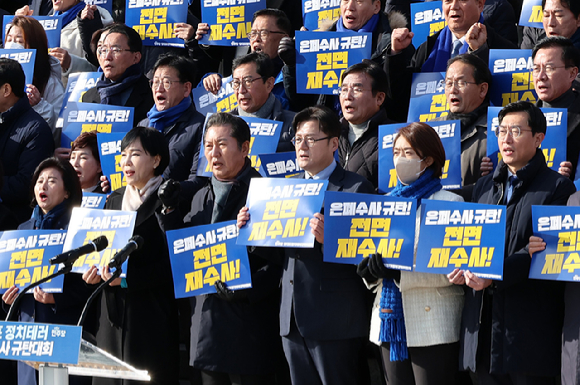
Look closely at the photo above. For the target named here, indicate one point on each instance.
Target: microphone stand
(116, 274)
(66, 269)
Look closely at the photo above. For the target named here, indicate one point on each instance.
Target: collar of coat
(526, 174)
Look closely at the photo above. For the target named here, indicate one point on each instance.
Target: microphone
(71, 256)
(122, 255)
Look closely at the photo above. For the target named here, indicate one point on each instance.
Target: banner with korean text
(78, 84)
(512, 79)
(357, 226)
(85, 117)
(428, 100)
(265, 135)
(322, 57)
(427, 21)
(559, 227)
(457, 235)
(25, 255)
(25, 57)
(320, 14)
(52, 26)
(155, 20)
(106, 4)
(230, 21)
(208, 103)
(37, 342)
(279, 165)
(201, 255)
(93, 200)
(553, 146)
(110, 154)
(280, 212)
(532, 14)
(450, 134)
(88, 224)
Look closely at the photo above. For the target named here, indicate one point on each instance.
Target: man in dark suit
(324, 317)
(122, 83)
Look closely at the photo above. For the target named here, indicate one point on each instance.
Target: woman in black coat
(138, 314)
(55, 190)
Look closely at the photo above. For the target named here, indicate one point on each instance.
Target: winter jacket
(52, 98)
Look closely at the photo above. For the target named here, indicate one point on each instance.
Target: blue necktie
(512, 181)
(457, 44)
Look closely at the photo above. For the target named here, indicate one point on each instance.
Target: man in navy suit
(324, 312)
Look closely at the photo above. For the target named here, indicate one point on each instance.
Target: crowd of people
(304, 321)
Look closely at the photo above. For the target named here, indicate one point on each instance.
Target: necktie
(457, 44)
(513, 180)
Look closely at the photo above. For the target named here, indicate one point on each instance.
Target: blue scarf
(70, 14)
(111, 92)
(161, 119)
(49, 220)
(393, 323)
(368, 27)
(441, 52)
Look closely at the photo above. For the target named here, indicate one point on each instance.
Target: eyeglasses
(514, 131)
(460, 84)
(356, 90)
(115, 51)
(548, 69)
(264, 33)
(310, 142)
(166, 83)
(236, 83)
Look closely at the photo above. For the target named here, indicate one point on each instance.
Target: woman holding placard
(416, 316)
(138, 314)
(46, 92)
(55, 190)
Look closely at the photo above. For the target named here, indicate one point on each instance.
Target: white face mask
(13, 45)
(408, 170)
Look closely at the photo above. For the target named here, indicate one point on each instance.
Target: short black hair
(379, 77)
(328, 121)
(184, 66)
(481, 72)
(239, 128)
(536, 118)
(264, 65)
(153, 142)
(282, 21)
(11, 72)
(133, 39)
(570, 54)
(87, 139)
(572, 5)
(70, 179)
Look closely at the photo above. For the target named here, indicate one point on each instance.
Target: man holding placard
(519, 354)
(324, 315)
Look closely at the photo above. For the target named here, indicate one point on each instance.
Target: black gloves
(372, 268)
(169, 193)
(229, 295)
(287, 51)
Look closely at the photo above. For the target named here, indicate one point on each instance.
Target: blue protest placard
(553, 146)
(25, 57)
(457, 235)
(155, 20)
(280, 211)
(450, 134)
(224, 101)
(532, 14)
(37, 342)
(230, 21)
(25, 255)
(110, 155)
(279, 165)
(78, 84)
(317, 15)
(428, 20)
(358, 225)
(107, 4)
(93, 200)
(511, 71)
(428, 100)
(265, 135)
(559, 227)
(52, 26)
(88, 224)
(322, 57)
(201, 255)
(84, 117)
